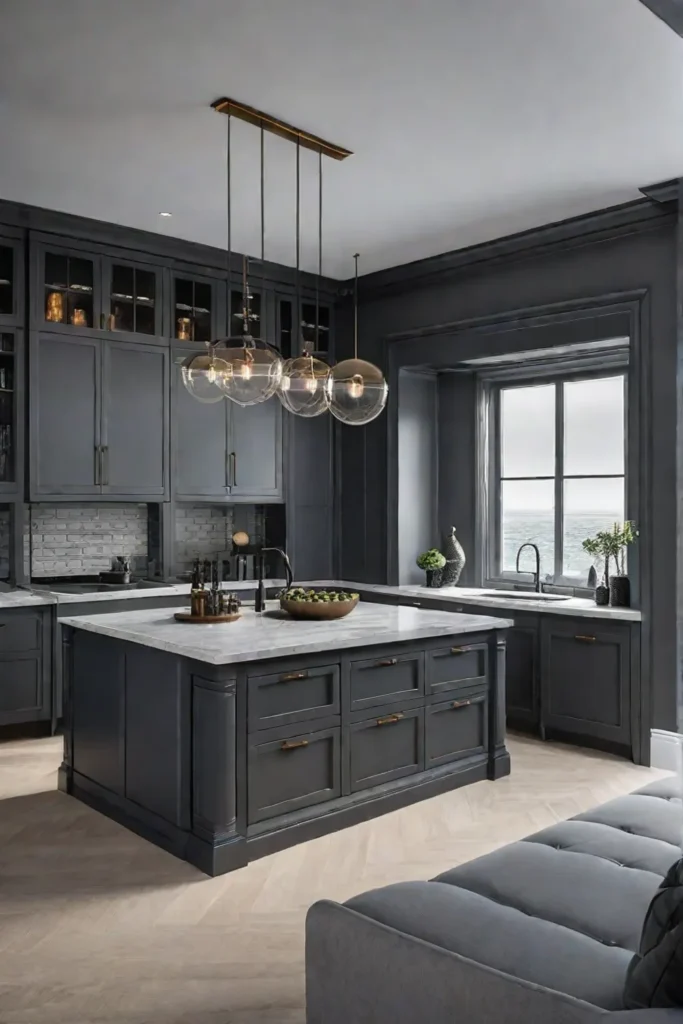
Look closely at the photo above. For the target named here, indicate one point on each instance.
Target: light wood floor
(96, 925)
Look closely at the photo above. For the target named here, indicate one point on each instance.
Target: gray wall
(417, 471)
(457, 456)
(479, 308)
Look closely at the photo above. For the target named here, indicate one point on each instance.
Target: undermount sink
(523, 595)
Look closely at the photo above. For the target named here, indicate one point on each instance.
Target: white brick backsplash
(201, 532)
(82, 539)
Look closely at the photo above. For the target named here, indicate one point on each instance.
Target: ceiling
(469, 119)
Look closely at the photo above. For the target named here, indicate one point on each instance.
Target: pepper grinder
(260, 597)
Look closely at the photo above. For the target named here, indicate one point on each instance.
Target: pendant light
(203, 374)
(254, 367)
(303, 385)
(356, 390)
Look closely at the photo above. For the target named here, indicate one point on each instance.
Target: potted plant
(432, 562)
(612, 544)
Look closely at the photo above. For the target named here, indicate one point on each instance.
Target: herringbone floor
(96, 925)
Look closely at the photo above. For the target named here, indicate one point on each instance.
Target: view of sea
(539, 528)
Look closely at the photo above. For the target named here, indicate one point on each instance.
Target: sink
(523, 595)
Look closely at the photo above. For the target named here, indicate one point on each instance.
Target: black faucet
(260, 599)
(538, 586)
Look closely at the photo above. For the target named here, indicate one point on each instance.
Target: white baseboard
(666, 750)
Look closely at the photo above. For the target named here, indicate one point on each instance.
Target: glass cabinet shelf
(6, 280)
(69, 286)
(237, 314)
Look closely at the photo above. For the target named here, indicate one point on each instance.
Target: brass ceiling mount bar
(281, 128)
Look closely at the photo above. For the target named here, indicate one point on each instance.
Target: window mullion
(559, 482)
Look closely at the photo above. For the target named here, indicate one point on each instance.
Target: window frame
(489, 524)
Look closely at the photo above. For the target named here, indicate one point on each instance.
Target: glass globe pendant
(203, 375)
(253, 369)
(303, 385)
(356, 390)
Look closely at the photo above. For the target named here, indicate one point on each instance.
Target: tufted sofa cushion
(563, 909)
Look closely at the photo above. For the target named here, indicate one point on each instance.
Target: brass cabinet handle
(386, 662)
(291, 676)
(585, 639)
(233, 459)
(105, 466)
(293, 744)
(461, 703)
(459, 650)
(98, 465)
(228, 477)
(389, 719)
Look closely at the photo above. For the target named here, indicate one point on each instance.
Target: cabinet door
(24, 690)
(521, 673)
(385, 748)
(200, 443)
(65, 416)
(288, 774)
(256, 450)
(585, 679)
(11, 387)
(134, 420)
(132, 298)
(67, 289)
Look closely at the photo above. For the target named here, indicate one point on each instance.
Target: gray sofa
(539, 931)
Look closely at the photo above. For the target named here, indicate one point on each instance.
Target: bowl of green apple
(305, 603)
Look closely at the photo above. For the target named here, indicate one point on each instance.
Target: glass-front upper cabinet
(194, 303)
(315, 326)
(69, 290)
(312, 328)
(8, 410)
(7, 280)
(132, 298)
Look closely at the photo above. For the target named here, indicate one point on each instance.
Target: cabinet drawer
(296, 695)
(285, 775)
(22, 693)
(457, 728)
(385, 748)
(448, 667)
(385, 678)
(19, 632)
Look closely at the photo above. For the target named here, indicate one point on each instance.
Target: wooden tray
(188, 617)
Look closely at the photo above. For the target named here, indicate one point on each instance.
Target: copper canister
(184, 328)
(55, 307)
(78, 318)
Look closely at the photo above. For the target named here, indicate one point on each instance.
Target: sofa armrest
(360, 970)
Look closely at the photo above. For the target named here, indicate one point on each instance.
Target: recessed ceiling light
(165, 213)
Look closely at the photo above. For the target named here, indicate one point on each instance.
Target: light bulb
(356, 386)
(311, 385)
(211, 374)
(356, 392)
(245, 371)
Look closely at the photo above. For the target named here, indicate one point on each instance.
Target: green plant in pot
(432, 562)
(609, 546)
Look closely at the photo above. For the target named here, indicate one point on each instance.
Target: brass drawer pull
(585, 639)
(461, 703)
(291, 676)
(459, 650)
(386, 663)
(293, 744)
(389, 719)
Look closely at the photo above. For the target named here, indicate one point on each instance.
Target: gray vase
(455, 560)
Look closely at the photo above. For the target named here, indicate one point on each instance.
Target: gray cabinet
(522, 673)
(385, 748)
(224, 451)
(295, 772)
(586, 679)
(456, 728)
(134, 420)
(65, 416)
(99, 414)
(25, 663)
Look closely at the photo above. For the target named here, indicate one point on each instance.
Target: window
(557, 474)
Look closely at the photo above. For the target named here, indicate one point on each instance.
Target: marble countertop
(574, 606)
(275, 635)
(24, 599)
(171, 590)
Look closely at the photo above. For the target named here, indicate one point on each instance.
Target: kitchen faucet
(538, 586)
(260, 601)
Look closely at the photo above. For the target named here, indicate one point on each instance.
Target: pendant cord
(229, 209)
(245, 296)
(355, 310)
(263, 233)
(299, 337)
(320, 250)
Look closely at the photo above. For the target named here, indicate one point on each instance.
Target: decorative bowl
(320, 610)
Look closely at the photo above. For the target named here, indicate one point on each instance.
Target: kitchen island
(223, 743)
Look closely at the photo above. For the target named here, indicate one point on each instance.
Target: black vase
(602, 595)
(620, 592)
(434, 577)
